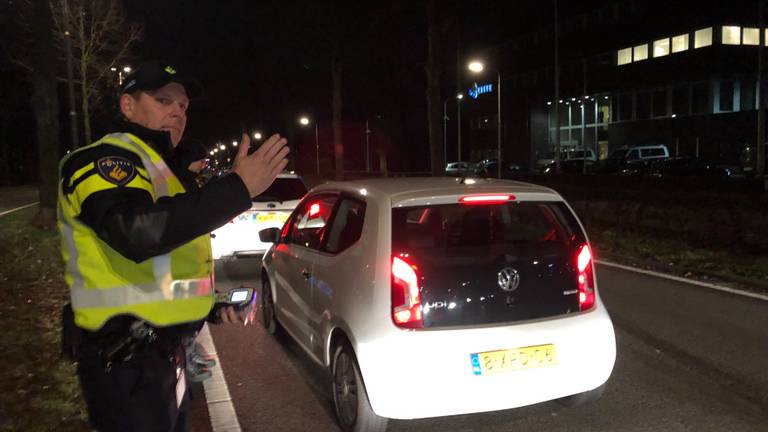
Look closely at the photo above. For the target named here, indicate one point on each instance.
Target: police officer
(137, 253)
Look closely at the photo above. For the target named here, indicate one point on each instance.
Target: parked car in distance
(571, 161)
(633, 160)
(688, 166)
(240, 237)
(428, 297)
(489, 168)
(457, 168)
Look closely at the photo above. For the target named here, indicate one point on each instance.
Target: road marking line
(220, 407)
(689, 281)
(18, 208)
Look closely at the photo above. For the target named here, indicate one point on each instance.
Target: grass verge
(38, 389)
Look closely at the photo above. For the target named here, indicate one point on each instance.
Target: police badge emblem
(116, 170)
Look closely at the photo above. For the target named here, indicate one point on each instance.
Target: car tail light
(314, 209)
(406, 299)
(486, 199)
(586, 278)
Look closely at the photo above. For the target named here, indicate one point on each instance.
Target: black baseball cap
(152, 75)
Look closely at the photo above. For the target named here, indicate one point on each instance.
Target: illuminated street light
(257, 135)
(478, 67)
(212, 152)
(113, 69)
(234, 143)
(222, 146)
(127, 69)
(304, 121)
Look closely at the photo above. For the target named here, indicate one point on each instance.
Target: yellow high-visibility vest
(169, 289)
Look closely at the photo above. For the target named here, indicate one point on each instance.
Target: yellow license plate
(508, 360)
(271, 217)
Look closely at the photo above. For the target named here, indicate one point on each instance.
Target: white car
(431, 297)
(240, 237)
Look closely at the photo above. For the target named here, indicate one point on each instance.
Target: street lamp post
(459, 97)
(304, 121)
(445, 132)
(478, 67)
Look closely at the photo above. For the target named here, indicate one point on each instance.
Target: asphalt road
(689, 359)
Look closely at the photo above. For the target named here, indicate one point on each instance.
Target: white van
(635, 159)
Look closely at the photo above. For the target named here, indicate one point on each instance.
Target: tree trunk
(338, 144)
(84, 82)
(45, 104)
(434, 112)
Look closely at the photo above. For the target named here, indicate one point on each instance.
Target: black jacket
(131, 223)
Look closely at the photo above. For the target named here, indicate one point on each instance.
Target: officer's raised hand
(258, 170)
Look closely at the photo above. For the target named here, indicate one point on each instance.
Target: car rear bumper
(429, 373)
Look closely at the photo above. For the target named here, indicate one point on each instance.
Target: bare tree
(45, 105)
(101, 40)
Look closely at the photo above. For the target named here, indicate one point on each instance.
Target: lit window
(731, 35)
(625, 56)
(751, 36)
(680, 43)
(640, 52)
(702, 38)
(661, 47)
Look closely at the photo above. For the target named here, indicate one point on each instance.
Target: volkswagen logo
(509, 279)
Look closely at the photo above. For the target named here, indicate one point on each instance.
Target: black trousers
(138, 395)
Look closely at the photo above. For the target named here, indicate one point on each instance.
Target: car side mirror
(269, 235)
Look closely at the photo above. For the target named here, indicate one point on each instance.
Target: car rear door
(338, 270)
(293, 261)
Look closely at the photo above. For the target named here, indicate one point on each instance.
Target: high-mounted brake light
(486, 199)
(585, 278)
(406, 299)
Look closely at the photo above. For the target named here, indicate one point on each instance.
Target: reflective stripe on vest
(165, 290)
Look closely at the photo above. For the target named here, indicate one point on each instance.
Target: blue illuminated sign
(477, 90)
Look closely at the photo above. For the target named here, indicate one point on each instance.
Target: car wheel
(350, 400)
(268, 317)
(582, 398)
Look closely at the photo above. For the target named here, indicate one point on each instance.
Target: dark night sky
(265, 62)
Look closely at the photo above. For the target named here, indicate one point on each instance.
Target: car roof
(409, 188)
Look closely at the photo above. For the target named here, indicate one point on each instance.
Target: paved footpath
(17, 196)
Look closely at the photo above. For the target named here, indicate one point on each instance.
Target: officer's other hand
(258, 170)
(229, 315)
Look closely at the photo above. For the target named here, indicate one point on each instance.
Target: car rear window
(283, 189)
(457, 225)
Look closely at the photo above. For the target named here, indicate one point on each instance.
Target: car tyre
(580, 399)
(350, 399)
(268, 316)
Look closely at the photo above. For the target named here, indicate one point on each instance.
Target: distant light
(304, 121)
(113, 69)
(459, 96)
(573, 99)
(257, 135)
(605, 97)
(222, 146)
(476, 66)
(363, 192)
(215, 150)
(469, 181)
(549, 102)
(212, 152)
(126, 69)
(674, 115)
(561, 101)
(234, 143)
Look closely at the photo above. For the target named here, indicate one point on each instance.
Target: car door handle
(306, 273)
